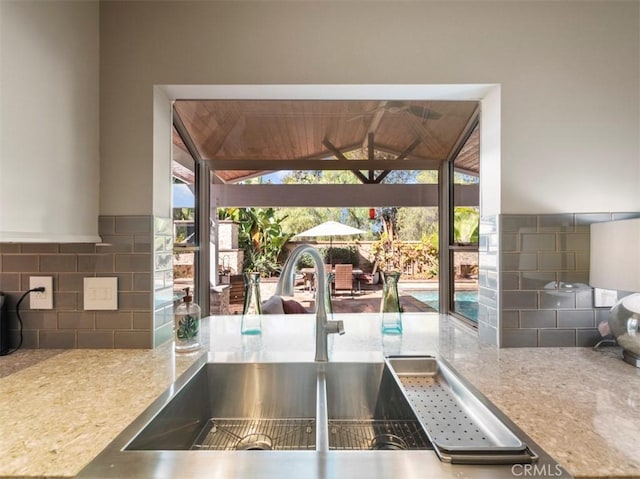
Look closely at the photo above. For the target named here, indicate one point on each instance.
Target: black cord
(34, 290)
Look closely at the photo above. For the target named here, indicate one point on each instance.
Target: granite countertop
(59, 409)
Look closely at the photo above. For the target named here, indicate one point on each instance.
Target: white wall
(49, 130)
(568, 71)
(162, 144)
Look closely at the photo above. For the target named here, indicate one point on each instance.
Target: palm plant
(260, 235)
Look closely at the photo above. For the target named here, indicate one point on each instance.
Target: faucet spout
(284, 287)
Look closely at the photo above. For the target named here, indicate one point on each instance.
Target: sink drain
(388, 442)
(255, 442)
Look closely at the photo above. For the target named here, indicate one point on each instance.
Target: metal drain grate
(273, 434)
(376, 434)
(448, 424)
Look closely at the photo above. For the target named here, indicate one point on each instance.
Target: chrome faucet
(285, 288)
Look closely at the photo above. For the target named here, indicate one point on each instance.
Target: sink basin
(367, 410)
(239, 406)
(273, 406)
(312, 420)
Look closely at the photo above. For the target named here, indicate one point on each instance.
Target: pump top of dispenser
(187, 297)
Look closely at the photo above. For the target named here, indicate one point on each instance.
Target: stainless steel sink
(273, 406)
(313, 420)
(367, 410)
(238, 406)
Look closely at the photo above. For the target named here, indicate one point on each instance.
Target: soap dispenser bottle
(187, 325)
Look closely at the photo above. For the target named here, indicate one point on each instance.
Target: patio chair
(236, 294)
(343, 278)
(313, 281)
(370, 279)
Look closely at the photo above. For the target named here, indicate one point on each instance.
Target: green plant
(341, 255)
(260, 235)
(418, 259)
(188, 327)
(466, 222)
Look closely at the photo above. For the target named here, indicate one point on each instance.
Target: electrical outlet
(42, 300)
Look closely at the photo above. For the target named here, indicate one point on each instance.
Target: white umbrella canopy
(331, 229)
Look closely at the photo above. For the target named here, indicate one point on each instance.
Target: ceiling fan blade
(423, 112)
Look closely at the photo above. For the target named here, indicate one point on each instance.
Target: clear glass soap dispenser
(187, 325)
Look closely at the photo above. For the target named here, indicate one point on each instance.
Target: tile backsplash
(130, 251)
(533, 283)
(544, 274)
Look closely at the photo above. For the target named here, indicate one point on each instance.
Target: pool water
(466, 302)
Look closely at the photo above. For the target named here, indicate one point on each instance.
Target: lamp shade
(615, 255)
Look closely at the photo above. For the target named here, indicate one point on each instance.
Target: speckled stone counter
(58, 410)
(58, 413)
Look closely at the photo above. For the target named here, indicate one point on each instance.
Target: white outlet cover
(41, 300)
(100, 293)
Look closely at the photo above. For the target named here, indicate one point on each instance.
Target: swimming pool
(466, 302)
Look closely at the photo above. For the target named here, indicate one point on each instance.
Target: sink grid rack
(275, 434)
(376, 434)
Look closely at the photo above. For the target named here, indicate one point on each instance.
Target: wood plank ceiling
(241, 138)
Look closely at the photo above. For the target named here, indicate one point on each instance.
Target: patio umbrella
(331, 229)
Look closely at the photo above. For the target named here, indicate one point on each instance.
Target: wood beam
(464, 136)
(325, 196)
(360, 176)
(382, 176)
(419, 195)
(186, 138)
(279, 165)
(400, 157)
(409, 149)
(333, 149)
(385, 149)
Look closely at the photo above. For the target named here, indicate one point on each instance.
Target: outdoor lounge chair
(370, 278)
(343, 279)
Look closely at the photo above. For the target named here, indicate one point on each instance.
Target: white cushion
(273, 305)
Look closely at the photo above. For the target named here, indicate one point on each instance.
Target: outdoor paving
(365, 301)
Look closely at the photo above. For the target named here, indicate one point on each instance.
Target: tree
(413, 223)
(260, 235)
(297, 220)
